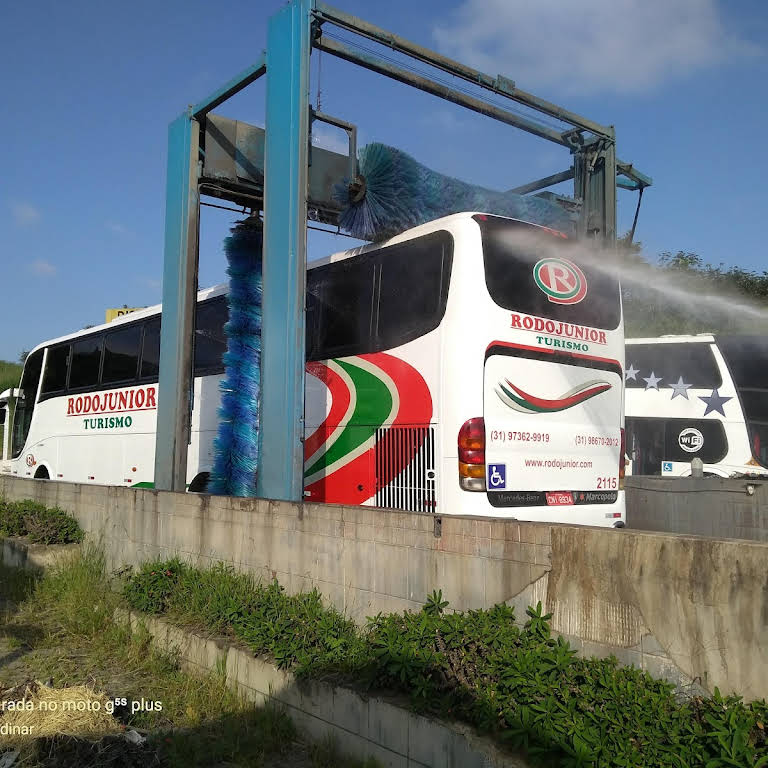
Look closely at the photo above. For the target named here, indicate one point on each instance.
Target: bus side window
(210, 341)
(56, 366)
(86, 362)
(413, 289)
(150, 352)
(342, 295)
(121, 355)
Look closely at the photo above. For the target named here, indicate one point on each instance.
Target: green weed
(41, 524)
(326, 754)
(16, 584)
(520, 684)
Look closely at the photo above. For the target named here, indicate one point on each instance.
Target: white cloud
(43, 268)
(589, 46)
(24, 214)
(117, 228)
(328, 137)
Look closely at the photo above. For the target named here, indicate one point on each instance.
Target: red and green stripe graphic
(521, 401)
(366, 393)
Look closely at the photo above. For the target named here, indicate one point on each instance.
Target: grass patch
(16, 584)
(40, 524)
(325, 754)
(520, 684)
(199, 720)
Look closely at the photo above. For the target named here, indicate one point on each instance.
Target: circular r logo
(560, 280)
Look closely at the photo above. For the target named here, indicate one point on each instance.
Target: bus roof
(410, 234)
(699, 338)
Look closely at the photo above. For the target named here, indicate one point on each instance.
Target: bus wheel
(42, 474)
(200, 483)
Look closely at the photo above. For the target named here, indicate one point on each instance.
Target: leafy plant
(43, 525)
(435, 604)
(522, 685)
(150, 590)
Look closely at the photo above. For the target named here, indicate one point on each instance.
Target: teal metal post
(179, 294)
(281, 454)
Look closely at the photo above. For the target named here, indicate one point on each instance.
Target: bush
(518, 683)
(43, 525)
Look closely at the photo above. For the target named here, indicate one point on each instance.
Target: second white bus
(699, 396)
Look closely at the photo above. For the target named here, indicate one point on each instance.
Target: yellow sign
(115, 313)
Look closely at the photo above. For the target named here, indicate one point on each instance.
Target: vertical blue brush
(236, 446)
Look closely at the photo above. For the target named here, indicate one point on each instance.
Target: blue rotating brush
(393, 192)
(236, 446)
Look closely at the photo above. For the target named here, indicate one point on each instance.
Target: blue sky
(89, 89)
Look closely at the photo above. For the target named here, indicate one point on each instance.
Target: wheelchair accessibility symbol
(497, 476)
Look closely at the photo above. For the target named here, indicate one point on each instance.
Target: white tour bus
(697, 396)
(459, 368)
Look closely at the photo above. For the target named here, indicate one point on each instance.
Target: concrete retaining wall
(362, 726)
(684, 608)
(707, 506)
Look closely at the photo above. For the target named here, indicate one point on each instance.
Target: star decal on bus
(521, 401)
(631, 373)
(680, 388)
(652, 382)
(715, 402)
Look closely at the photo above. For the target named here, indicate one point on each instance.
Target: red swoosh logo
(562, 403)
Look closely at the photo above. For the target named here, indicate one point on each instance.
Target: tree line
(683, 294)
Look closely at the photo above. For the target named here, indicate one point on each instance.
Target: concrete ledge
(19, 553)
(362, 727)
(706, 506)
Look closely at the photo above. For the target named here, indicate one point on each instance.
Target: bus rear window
(519, 279)
(747, 357)
(651, 441)
(692, 361)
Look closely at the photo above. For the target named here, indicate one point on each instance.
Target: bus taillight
(622, 459)
(472, 455)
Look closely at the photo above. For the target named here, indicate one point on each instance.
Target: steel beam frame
(547, 181)
(292, 33)
(229, 89)
(346, 52)
(499, 85)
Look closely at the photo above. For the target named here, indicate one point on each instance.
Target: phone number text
(596, 440)
(512, 436)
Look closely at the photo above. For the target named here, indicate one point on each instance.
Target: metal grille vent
(413, 488)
